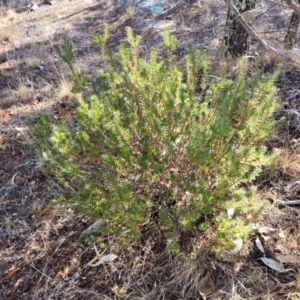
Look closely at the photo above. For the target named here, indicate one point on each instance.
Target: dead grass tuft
(37, 207)
(6, 18)
(68, 26)
(216, 43)
(130, 11)
(10, 15)
(188, 273)
(33, 62)
(288, 161)
(6, 34)
(64, 90)
(205, 9)
(23, 91)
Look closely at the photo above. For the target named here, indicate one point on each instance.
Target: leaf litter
(105, 259)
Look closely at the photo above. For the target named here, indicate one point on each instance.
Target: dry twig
(253, 34)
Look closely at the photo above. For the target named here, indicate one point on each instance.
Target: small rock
(32, 6)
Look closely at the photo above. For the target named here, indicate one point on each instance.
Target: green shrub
(149, 152)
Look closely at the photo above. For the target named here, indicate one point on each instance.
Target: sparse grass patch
(7, 16)
(3, 9)
(254, 276)
(64, 89)
(10, 15)
(68, 26)
(205, 10)
(32, 62)
(130, 11)
(49, 32)
(188, 273)
(23, 91)
(288, 161)
(8, 223)
(6, 34)
(37, 207)
(216, 42)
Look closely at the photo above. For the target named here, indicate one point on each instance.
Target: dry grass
(6, 34)
(205, 10)
(68, 26)
(23, 91)
(130, 11)
(33, 62)
(269, 62)
(288, 161)
(216, 43)
(37, 207)
(64, 89)
(7, 16)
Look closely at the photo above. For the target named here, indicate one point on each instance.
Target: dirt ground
(42, 254)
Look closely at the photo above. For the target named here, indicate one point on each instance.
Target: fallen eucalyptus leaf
(230, 213)
(238, 246)
(273, 264)
(105, 259)
(259, 245)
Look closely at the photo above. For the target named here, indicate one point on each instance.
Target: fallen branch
(288, 202)
(293, 6)
(254, 35)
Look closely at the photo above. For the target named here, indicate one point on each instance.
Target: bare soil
(42, 254)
